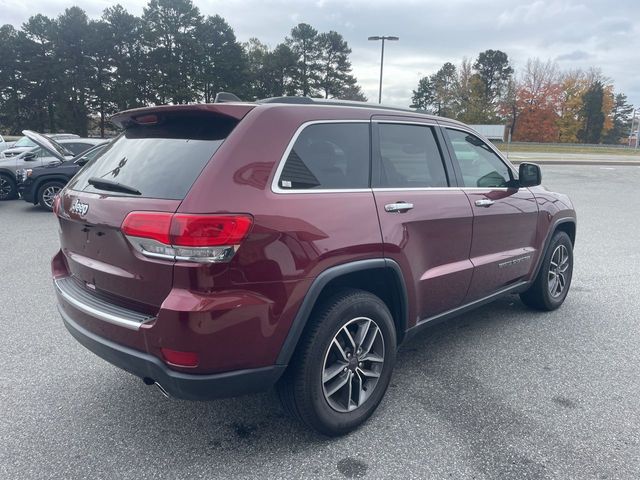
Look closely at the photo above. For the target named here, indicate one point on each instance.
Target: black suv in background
(40, 185)
(45, 151)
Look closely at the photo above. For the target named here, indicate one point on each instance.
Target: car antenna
(224, 97)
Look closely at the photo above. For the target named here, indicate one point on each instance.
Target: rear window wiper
(103, 184)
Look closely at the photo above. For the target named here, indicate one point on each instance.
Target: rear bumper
(176, 384)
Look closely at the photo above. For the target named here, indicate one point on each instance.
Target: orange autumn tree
(537, 97)
(574, 113)
(574, 86)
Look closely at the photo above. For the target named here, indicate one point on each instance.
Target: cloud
(576, 55)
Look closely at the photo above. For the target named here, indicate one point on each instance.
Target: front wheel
(551, 286)
(343, 365)
(47, 193)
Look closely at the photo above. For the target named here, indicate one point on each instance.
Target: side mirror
(81, 161)
(28, 157)
(529, 175)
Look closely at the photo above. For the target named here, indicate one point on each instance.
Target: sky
(575, 34)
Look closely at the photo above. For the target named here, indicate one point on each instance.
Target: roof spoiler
(143, 116)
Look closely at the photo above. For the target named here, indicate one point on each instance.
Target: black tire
(302, 391)
(44, 194)
(542, 295)
(8, 188)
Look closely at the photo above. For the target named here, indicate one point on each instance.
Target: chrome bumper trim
(78, 298)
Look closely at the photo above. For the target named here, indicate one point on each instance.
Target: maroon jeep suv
(221, 249)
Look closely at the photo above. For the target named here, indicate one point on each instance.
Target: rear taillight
(56, 205)
(153, 225)
(209, 230)
(186, 237)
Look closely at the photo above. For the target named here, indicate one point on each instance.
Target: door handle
(398, 207)
(485, 202)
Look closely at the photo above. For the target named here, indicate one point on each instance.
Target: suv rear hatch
(150, 167)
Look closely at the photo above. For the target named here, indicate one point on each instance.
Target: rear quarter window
(161, 160)
(328, 156)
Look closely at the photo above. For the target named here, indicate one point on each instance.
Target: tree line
(540, 103)
(71, 72)
(56, 74)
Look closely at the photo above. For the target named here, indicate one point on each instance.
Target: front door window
(479, 165)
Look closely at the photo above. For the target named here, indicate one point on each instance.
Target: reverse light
(180, 359)
(186, 237)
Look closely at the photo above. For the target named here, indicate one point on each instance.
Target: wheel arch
(382, 277)
(567, 225)
(9, 173)
(44, 180)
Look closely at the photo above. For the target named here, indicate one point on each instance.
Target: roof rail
(288, 100)
(332, 102)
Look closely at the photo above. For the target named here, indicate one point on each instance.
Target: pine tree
(423, 98)
(621, 118)
(304, 43)
(170, 30)
(336, 79)
(222, 62)
(131, 80)
(73, 78)
(10, 81)
(592, 114)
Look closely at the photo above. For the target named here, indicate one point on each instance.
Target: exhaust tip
(151, 381)
(162, 390)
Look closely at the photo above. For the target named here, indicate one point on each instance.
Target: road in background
(573, 158)
(502, 392)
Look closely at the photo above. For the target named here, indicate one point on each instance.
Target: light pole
(383, 38)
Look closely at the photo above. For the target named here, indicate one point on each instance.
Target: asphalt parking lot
(502, 392)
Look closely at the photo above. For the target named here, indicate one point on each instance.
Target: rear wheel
(343, 365)
(47, 193)
(551, 286)
(8, 189)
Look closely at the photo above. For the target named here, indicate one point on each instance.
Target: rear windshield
(159, 161)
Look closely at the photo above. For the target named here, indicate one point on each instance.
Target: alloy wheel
(48, 195)
(557, 278)
(353, 364)
(5, 188)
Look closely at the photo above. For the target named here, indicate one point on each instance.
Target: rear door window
(328, 156)
(409, 157)
(160, 160)
(91, 154)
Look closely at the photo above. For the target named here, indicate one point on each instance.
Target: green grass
(540, 148)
